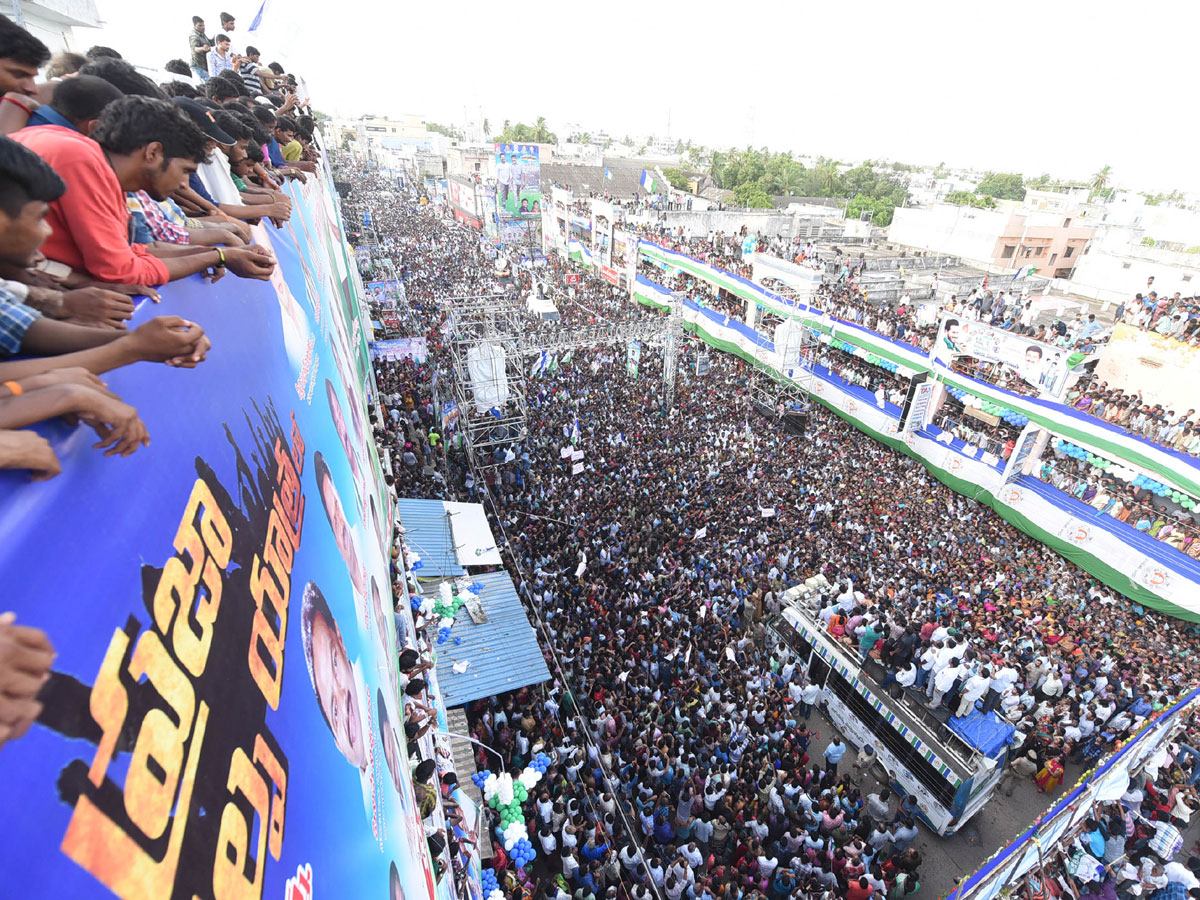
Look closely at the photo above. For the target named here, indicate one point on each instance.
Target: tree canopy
(1002, 185)
(526, 134)
(448, 130)
(966, 198)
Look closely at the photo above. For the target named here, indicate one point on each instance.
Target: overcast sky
(1047, 86)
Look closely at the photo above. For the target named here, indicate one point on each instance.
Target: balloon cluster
(1074, 451)
(1002, 412)
(490, 885)
(882, 363)
(446, 606)
(1162, 490)
(505, 794)
(843, 346)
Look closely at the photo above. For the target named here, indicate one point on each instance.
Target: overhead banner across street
(222, 719)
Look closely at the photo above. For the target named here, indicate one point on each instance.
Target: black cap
(203, 117)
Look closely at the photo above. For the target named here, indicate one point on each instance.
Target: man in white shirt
(975, 688)
(1177, 871)
(808, 697)
(1003, 677)
(942, 682)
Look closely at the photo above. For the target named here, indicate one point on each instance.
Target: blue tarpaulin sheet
(986, 732)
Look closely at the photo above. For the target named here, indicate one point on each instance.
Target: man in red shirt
(859, 890)
(139, 144)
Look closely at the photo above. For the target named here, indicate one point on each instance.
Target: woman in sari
(1049, 778)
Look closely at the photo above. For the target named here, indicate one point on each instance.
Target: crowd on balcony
(847, 300)
(1125, 501)
(110, 187)
(684, 763)
(1129, 847)
(1175, 316)
(1129, 411)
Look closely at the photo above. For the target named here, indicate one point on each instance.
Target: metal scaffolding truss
(488, 375)
(776, 393)
(498, 328)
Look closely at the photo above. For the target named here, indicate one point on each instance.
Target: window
(1124, 265)
(1053, 257)
(1067, 223)
(1028, 252)
(1007, 252)
(1070, 251)
(1186, 278)
(1040, 251)
(476, 167)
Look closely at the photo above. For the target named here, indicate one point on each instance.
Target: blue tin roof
(504, 651)
(427, 530)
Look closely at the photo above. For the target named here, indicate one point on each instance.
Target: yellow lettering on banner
(233, 843)
(149, 798)
(280, 547)
(109, 705)
(115, 858)
(265, 634)
(265, 758)
(209, 547)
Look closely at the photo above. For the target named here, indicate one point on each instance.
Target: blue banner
(223, 717)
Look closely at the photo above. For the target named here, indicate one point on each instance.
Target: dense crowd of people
(678, 726)
(907, 322)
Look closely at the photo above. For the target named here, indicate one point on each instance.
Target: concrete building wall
(1052, 241)
(970, 234)
(53, 22)
(1112, 272)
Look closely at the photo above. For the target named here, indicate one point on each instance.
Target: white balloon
(489, 786)
(504, 788)
(508, 845)
(444, 590)
(528, 778)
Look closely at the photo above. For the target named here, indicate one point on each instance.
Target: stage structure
(782, 395)
(492, 343)
(488, 378)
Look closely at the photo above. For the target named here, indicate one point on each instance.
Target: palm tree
(827, 179)
(1100, 179)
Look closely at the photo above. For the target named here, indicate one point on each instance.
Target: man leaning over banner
(58, 374)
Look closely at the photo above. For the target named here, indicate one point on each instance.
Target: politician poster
(1002, 358)
(222, 716)
(518, 181)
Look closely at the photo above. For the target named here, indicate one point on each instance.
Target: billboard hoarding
(518, 181)
(1040, 366)
(220, 717)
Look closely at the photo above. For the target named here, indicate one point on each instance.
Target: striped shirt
(249, 73)
(15, 320)
(162, 227)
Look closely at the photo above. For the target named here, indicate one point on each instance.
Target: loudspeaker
(794, 423)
